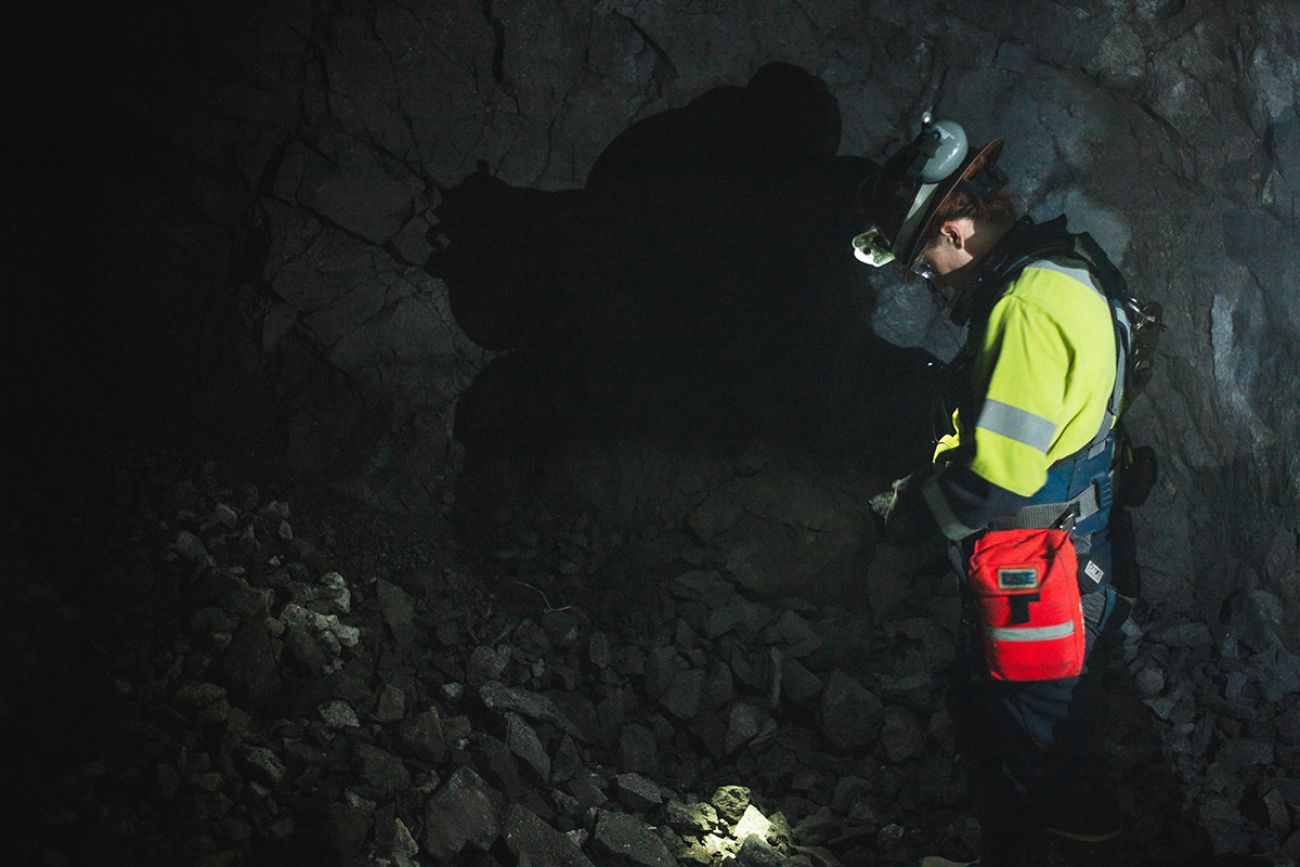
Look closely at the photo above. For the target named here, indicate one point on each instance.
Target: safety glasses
(924, 270)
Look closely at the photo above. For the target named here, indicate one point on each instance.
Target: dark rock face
(332, 155)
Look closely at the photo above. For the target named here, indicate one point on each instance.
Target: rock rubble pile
(1227, 703)
(262, 706)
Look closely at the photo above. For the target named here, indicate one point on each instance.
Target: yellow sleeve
(1021, 371)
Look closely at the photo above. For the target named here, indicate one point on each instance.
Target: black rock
(381, 772)
(851, 716)
(465, 811)
(627, 840)
(422, 735)
(528, 837)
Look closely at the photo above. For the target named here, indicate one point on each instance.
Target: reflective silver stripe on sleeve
(1083, 275)
(944, 516)
(1017, 424)
(1031, 633)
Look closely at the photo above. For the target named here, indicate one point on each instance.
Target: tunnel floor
(203, 670)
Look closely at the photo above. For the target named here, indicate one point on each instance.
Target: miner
(1023, 486)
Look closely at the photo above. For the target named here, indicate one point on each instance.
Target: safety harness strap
(1046, 515)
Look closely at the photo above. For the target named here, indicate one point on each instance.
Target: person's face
(945, 261)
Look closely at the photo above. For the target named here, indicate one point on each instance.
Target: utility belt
(1027, 573)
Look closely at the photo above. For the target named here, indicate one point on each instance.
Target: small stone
(756, 852)
(730, 802)
(817, 827)
(683, 636)
(702, 585)
(637, 749)
(391, 704)
(263, 764)
(684, 693)
(848, 791)
(562, 627)
(1162, 707)
(225, 516)
(247, 541)
(423, 736)
(901, 734)
(851, 716)
(196, 695)
(744, 722)
(889, 836)
(338, 714)
(397, 610)
(497, 697)
(566, 762)
(1149, 681)
(522, 740)
(285, 531)
(598, 650)
(214, 714)
(499, 765)
(1223, 821)
(695, 818)
(662, 665)
(752, 822)
(1240, 753)
(191, 547)
(588, 789)
(794, 634)
(1186, 634)
(1279, 817)
(726, 618)
(533, 841)
(463, 812)
(622, 836)
(320, 625)
(208, 781)
(638, 792)
(275, 510)
(798, 683)
(330, 595)
(719, 687)
(485, 664)
(381, 771)
(398, 843)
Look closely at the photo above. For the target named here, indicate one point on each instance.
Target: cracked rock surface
(297, 159)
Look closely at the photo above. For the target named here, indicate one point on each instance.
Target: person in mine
(1024, 487)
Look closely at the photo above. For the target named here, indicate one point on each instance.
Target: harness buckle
(1068, 518)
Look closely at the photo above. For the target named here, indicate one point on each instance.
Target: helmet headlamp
(872, 247)
(903, 197)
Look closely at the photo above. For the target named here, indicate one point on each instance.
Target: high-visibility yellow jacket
(1041, 378)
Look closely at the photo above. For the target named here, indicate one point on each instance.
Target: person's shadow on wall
(701, 285)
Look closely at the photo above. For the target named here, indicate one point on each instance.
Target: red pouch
(1027, 594)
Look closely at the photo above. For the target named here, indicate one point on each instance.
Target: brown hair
(997, 208)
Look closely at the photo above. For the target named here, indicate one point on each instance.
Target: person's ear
(951, 232)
